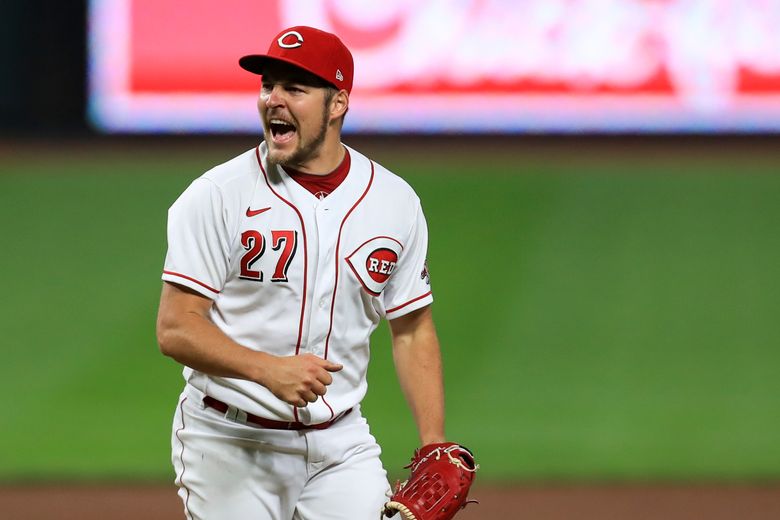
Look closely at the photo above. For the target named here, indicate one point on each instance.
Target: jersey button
(323, 303)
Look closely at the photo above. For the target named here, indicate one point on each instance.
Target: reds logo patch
(374, 262)
(380, 264)
(290, 40)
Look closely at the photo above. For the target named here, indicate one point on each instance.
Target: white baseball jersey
(292, 274)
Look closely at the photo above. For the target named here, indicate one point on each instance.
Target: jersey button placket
(320, 315)
(324, 282)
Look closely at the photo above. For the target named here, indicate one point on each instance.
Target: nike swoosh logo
(252, 212)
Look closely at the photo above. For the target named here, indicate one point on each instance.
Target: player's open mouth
(281, 130)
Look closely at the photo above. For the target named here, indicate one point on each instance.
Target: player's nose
(272, 97)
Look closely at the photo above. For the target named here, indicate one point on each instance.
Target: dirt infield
(586, 502)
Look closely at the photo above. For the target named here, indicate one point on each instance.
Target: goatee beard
(305, 151)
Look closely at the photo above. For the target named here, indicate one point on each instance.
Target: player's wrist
(432, 438)
(260, 368)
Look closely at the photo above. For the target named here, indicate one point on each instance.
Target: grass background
(606, 310)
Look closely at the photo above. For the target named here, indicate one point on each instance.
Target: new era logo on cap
(318, 52)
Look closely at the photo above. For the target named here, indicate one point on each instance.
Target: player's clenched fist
(300, 380)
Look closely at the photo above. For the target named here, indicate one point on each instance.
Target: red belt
(270, 423)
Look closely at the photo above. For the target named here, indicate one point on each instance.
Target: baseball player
(281, 263)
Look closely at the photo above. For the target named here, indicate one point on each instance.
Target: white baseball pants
(226, 470)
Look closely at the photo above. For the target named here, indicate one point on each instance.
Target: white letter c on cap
(298, 37)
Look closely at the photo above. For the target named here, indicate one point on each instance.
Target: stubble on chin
(303, 151)
(287, 159)
(276, 156)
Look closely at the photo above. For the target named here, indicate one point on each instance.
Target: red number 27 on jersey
(255, 243)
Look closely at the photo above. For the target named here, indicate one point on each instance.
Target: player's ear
(339, 104)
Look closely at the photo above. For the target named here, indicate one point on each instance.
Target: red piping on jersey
(338, 243)
(183, 467)
(369, 291)
(336, 282)
(375, 238)
(408, 303)
(305, 259)
(332, 415)
(192, 280)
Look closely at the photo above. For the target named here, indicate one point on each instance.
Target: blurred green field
(603, 315)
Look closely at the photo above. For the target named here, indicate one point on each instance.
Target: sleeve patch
(374, 262)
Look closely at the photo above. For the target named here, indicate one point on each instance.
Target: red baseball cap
(319, 52)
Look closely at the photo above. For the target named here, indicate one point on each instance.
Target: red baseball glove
(438, 486)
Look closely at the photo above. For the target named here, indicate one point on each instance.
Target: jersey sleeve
(198, 240)
(409, 288)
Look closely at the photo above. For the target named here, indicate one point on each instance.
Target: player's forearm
(196, 342)
(419, 374)
(418, 363)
